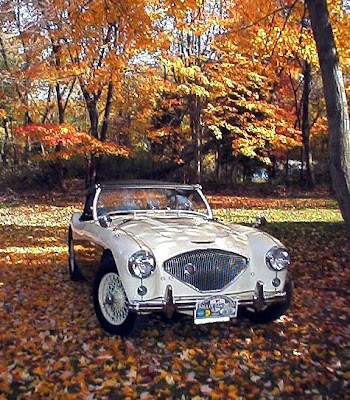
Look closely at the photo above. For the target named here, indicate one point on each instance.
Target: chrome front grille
(206, 269)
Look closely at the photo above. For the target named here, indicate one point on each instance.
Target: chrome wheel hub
(112, 299)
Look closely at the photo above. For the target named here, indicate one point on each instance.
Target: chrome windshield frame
(120, 186)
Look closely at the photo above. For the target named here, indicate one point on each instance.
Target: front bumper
(257, 300)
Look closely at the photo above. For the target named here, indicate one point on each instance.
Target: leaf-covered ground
(53, 348)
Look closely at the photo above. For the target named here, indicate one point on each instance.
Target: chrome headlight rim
(142, 264)
(278, 258)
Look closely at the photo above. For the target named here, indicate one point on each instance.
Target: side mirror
(104, 220)
(259, 222)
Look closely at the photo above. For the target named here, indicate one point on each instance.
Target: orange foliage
(63, 141)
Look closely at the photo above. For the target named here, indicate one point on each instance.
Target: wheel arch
(107, 257)
(101, 306)
(74, 270)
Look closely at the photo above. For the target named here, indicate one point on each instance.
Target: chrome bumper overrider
(169, 305)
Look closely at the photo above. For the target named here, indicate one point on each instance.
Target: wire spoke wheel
(112, 299)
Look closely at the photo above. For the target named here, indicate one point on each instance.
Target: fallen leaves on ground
(53, 348)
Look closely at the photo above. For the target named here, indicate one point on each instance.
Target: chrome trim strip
(210, 212)
(94, 203)
(151, 185)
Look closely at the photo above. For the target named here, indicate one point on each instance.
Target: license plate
(215, 309)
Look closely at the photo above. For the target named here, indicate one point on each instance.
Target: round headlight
(142, 264)
(277, 258)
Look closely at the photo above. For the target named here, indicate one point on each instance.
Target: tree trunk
(91, 105)
(272, 169)
(4, 149)
(217, 162)
(305, 126)
(58, 165)
(60, 107)
(286, 171)
(196, 131)
(301, 173)
(93, 116)
(107, 112)
(337, 109)
(104, 128)
(199, 156)
(91, 177)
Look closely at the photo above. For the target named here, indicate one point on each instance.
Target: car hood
(176, 235)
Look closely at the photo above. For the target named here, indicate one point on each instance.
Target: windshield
(136, 199)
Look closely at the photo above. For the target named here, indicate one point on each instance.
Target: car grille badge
(189, 269)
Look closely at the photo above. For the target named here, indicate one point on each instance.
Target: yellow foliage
(3, 113)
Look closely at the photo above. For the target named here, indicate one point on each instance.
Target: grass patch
(275, 215)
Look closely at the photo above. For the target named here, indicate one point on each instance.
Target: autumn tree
(62, 45)
(222, 88)
(336, 102)
(100, 38)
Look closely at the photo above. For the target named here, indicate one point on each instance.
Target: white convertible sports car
(156, 247)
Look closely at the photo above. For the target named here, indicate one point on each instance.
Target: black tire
(272, 312)
(110, 301)
(74, 272)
